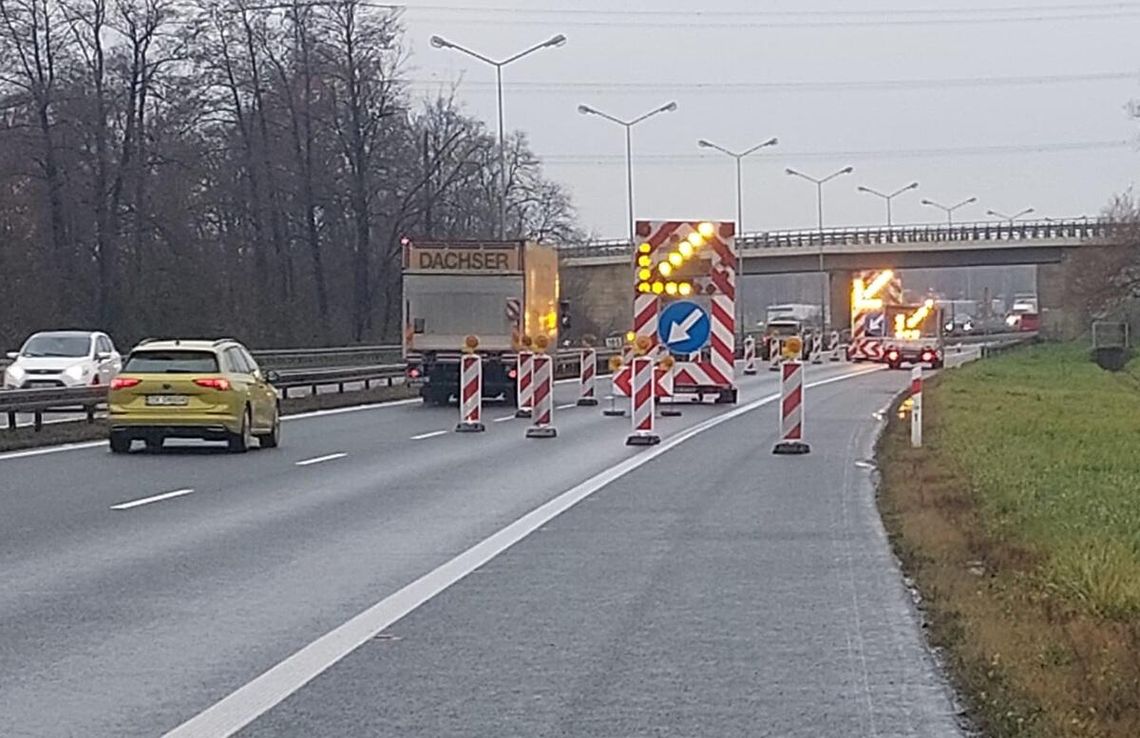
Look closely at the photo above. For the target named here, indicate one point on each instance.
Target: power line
(796, 86)
(991, 150)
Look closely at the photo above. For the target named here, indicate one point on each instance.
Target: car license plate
(167, 400)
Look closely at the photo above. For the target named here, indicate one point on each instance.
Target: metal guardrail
(39, 402)
(881, 235)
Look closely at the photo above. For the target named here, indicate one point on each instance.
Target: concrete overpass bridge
(598, 275)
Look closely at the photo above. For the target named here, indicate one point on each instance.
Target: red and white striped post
(916, 407)
(525, 384)
(543, 417)
(792, 410)
(587, 375)
(774, 354)
(749, 355)
(642, 379)
(834, 347)
(817, 348)
(470, 394)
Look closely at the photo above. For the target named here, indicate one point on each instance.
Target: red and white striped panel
(643, 381)
(543, 390)
(749, 355)
(645, 308)
(893, 294)
(470, 390)
(723, 341)
(869, 349)
(792, 401)
(525, 380)
(588, 373)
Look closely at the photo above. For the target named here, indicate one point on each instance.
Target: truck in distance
(915, 335)
(505, 293)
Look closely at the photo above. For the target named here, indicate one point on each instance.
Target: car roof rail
(225, 340)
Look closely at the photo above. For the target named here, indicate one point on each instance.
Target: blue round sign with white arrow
(684, 327)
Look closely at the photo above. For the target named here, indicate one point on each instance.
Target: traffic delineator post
(916, 407)
(817, 348)
(543, 410)
(792, 410)
(613, 411)
(749, 355)
(525, 384)
(470, 392)
(642, 399)
(774, 354)
(587, 374)
(834, 347)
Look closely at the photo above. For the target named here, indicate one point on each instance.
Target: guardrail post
(11, 420)
(39, 420)
(90, 413)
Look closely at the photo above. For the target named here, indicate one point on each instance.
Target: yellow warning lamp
(665, 268)
(615, 363)
(707, 230)
(686, 250)
(670, 288)
(470, 344)
(644, 261)
(541, 343)
(643, 287)
(792, 347)
(685, 289)
(667, 362)
(695, 239)
(645, 248)
(630, 337)
(527, 341)
(644, 274)
(676, 259)
(643, 344)
(658, 288)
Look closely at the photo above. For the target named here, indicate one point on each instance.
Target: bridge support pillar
(839, 292)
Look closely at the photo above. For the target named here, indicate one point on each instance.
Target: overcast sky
(823, 76)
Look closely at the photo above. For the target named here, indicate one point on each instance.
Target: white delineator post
(774, 355)
(834, 346)
(916, 407)
(642, 398)
(525, 384)
(470, 394)
(817, 348)
(543, 410)
(792, 410)
(588, 374)
(749, 355)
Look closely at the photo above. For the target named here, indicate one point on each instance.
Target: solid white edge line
(255, 698)
(320, 459)
(155, 498)
(433, 434)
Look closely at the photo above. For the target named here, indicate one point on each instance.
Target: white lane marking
(51, 450)
(433, 434)
(248, 702)
(567, 407)
(353, 409)
(864, 465)
(503, 419)
(321, 459)
(148, 500)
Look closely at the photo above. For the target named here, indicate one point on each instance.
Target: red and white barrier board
(525, 384)
(470, 394)
(792, 409)
(749, 355)
(588, 378)
(543, 411)
(774, 350)
(642, 399)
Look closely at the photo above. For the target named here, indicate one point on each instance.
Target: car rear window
(172, 362)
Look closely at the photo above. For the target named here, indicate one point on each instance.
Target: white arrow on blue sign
(684, 327)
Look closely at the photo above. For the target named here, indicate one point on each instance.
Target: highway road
(474, 584)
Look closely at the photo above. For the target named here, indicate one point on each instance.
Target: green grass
(1050, 444)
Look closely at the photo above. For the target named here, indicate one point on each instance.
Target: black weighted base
(791, 448)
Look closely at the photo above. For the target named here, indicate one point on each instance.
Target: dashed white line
(433, 434)
(148, 500)
(567, 407)
(321, 459)
(503, 419)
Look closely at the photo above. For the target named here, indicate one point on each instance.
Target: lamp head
(558, 40)
(585, 109)
(439, 42)
(669, 108)
(705, 144)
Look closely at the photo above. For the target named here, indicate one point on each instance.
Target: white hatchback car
(63, 359)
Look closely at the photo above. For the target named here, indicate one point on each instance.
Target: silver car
(63, 359)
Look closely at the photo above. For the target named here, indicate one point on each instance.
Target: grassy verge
(1020, 523)
(54, 434)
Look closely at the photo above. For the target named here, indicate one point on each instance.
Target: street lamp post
(739, 156)
(1011, 218)
(628, 125)
(554, 41)
(889, 197)
(819, 183)
(950, 210)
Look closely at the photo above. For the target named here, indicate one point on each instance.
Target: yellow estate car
(212, 390)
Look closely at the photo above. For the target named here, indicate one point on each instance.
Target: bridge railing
(987, 232)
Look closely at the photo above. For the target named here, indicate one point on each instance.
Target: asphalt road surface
(703, 587)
